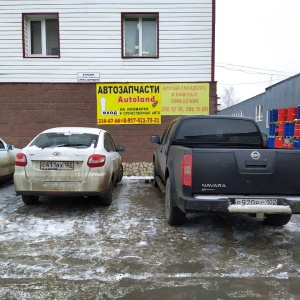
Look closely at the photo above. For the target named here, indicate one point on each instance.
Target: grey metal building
(283, 94)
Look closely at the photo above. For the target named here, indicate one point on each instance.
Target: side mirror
(120, 148)
(155, 139)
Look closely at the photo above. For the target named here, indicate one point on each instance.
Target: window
(238, 114)
(166, 136)
(109, 145)
(218, 130)
(77, 140)
(140, 35)
(258, 113)
(40, 35)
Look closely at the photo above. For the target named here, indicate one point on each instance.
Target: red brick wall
(28, 108)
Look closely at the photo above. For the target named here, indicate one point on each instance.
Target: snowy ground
(75, 249)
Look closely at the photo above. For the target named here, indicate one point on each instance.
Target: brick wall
(28, 108)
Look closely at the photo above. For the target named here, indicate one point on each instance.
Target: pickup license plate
(255, 201)
(57, 165)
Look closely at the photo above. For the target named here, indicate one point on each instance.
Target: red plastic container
(292, 113)
(281, 129)
(278, 143)
(297, 129)
(282, 114)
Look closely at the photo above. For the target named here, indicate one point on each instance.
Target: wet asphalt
(68, 248)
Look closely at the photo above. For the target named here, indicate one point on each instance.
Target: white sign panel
(88, 77)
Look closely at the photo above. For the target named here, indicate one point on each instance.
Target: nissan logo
(56, 153)
(255, 155)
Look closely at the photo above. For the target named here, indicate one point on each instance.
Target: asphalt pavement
(68, 248)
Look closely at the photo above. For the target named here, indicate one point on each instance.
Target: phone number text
(129, 120)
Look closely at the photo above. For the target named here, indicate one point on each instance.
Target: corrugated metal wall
(281, 95)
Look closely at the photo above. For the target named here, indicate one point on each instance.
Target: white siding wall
(90, 41)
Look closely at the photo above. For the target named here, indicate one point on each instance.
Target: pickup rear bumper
(225, 203)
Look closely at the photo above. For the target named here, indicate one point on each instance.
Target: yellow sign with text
(128, 103)
(185, 98)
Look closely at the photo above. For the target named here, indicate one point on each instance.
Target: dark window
(109, 145)
(225, 131)
(166, 136)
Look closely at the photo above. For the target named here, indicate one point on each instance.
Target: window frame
(259, 113)
(26, 35)
(239, 114)
(267, 118)
(140, 15)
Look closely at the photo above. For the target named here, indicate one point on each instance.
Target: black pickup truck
(221, 164)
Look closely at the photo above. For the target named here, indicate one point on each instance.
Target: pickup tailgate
(246, 171)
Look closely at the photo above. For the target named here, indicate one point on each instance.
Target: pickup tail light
(96, 160)
(20, 160)
(186, 170)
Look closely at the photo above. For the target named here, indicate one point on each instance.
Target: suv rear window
(231, 132)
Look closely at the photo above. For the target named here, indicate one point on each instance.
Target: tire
(277, 219)
(30, 199)
(106, 199)
(120, 174)
(174, 215)
(154, 183)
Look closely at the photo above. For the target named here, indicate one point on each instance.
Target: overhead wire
(252, 71)
(243, 83)
(254, 68)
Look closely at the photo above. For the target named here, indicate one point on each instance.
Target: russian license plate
(57, 165)
(255, 201)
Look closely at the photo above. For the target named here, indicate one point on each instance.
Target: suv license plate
(57, 165)
(255, 201)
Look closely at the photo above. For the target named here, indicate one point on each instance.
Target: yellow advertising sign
(185, 98)
(128, 103)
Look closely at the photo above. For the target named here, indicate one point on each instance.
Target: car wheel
(30, 199)
(154, 175)
(277, 219)
(121, 172)
(106, 199)
(174, 215)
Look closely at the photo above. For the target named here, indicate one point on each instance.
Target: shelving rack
(284, 128)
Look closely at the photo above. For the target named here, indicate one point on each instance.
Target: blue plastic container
(271, 142)
(275, 115)
(296, 144)
(271, 116)
(286, 129)
(291, 129)
(272, 129)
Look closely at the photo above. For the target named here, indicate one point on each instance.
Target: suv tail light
(96, 160)
(186, 169)
(21, 160)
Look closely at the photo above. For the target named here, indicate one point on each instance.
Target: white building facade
(138, 41)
